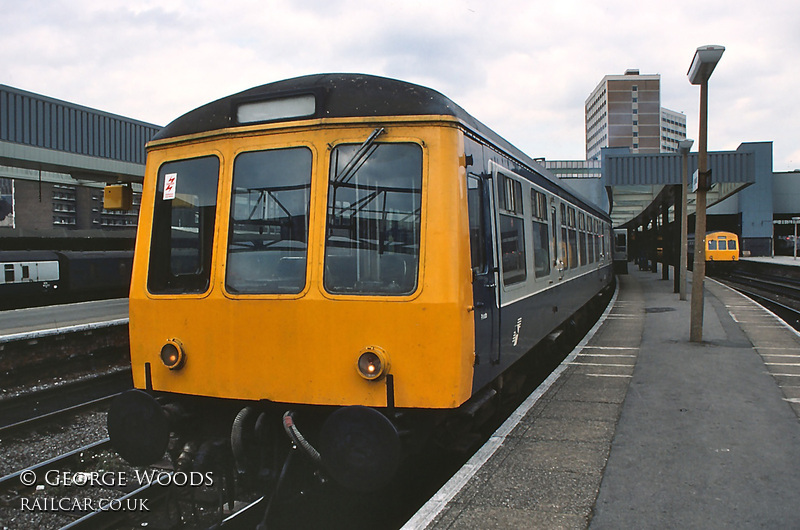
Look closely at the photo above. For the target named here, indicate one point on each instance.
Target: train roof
(336, 96)
(342, 95)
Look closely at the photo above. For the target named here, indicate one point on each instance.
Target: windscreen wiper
(362, 153)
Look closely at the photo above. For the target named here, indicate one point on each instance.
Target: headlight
(372, 363)
(172, 354)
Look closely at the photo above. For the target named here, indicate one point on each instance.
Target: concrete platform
(639, 428)
(37, 322)
(775, 260)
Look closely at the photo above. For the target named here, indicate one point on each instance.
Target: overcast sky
(524, 68)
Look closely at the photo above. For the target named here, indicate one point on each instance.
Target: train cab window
(184, 217)
(372, 240)
(712, 244)
(267, 245)
(731, 244)
(541, 241)
(477, 224)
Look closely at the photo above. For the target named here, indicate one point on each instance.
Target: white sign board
(695, 180)
(170, 183)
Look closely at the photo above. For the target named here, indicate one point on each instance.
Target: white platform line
(623, 355)
(611, 348)
(603, 364)
(782, 364)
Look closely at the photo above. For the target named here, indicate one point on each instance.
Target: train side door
(484, 270)
(559, 237)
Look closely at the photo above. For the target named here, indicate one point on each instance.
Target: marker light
(372, 363)
(172, 354)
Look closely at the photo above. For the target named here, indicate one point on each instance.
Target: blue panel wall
(31, 119)
(755, 202)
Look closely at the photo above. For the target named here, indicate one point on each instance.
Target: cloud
(524, 68)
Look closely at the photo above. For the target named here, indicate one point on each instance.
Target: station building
(633, 167)
(625, 111)
(55, 158)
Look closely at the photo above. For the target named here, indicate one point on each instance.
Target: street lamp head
(685, 145)
(703, 63)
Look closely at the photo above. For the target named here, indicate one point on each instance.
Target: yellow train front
(306, 245)
(722, 251)
(722, 247)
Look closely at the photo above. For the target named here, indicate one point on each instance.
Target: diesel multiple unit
(356, 250)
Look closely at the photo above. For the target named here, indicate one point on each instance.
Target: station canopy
(641, 185)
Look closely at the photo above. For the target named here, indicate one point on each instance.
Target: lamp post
(703, 63)
(685, 146)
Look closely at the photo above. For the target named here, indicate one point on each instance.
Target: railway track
(48, 404)
(779, 294)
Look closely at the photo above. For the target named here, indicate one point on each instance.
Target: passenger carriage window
(553, 233)
(510, 194)
(582, 238)
(597, 251)
(268, 240)
(184, 216)
(565, 237)
(541, 240)
(573, 239)
(372, 241)
(512, 230)
(512, 248)
(477, 231)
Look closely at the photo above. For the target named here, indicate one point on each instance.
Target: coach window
(565, 237)
(268, 240)
(573, 238)
(582, 238)
(183, 226)
(372, 240)
(512, 231)
(541, 241)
